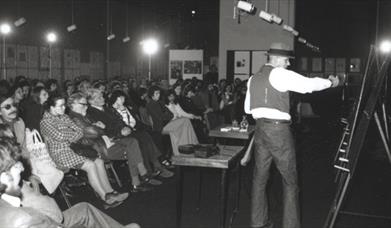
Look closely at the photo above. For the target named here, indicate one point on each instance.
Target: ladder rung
(343, 160)
(341, 168)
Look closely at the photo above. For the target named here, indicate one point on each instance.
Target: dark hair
(114, 96)
(152, 90)
(50, 82)
(187, 89)
(171, 92)
(52, 100)
(36, 92)
(97, 84)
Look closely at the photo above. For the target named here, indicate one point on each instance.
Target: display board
(185, 64)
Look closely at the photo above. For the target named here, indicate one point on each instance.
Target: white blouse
(178, 112)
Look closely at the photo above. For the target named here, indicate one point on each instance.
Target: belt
(274, 121)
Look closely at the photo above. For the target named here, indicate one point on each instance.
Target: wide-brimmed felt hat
(280, 49)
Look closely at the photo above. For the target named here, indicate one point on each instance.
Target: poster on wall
(176, 69)
(185, 64)
(192, 67)
(303, 64)
(340, 65)
(316, 64)
(329, 65)
(242, 63)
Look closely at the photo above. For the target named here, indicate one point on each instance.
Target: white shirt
(127, 117)
(285, 80)
(13, 200)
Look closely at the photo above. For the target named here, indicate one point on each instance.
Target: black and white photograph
(195, 113)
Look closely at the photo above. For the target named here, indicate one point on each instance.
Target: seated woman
(121, 146)
(148, 148)
(33, 109)
(180, 129)
(59, 131)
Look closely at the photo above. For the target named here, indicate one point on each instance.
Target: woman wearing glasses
(59, 132)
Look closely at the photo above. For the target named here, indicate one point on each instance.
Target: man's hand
(100, 124)
(126, 131)
(334, 81)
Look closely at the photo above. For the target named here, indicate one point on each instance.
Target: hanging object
(21, 20)
(127, 38)
(73, 26)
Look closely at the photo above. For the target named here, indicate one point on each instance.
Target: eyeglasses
(84, 104)
(9, 106)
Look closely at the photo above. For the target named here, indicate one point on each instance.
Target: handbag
(84, 150)
(41, 163)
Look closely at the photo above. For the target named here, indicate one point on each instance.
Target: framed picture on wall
(340, 65)
(192, 67)
(303, 64)
(316, 64)
(242, 62)
(329, 65)
(176, 69)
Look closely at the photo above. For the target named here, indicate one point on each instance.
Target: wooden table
(217, 133)
(226, 161)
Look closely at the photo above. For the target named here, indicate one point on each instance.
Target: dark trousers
(149, 150)
(274, 142)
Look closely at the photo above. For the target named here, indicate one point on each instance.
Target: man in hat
(267, 100)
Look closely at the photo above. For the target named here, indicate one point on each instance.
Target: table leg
(199, 173)
(237, 200)
(223, 197)
(179, 196)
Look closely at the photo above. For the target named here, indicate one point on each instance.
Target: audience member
(21, 206)
(120, 145)
(59, 132)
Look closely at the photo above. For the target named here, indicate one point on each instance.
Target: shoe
(110, 201)
(140, 188)
(154, 182)
(167, 164)
(156, 173)
(145, 178)
(111, 205)
(165, 173)
(120, 196)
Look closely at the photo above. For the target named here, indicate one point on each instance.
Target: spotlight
(71, 28)
(385, 46)
(266, 16)
(302, 40)
(287, 28)
(126, 39)
(5, 28)
(20, 22)
(51, 37)
(295, 32)
(111, 36)
(246, 6)
(150, 46)
(276, 19)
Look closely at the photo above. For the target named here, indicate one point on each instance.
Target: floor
(316, 141)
